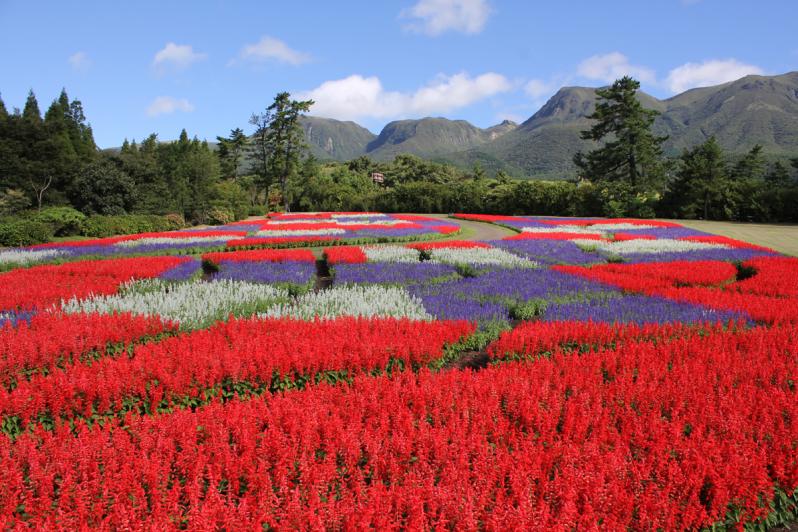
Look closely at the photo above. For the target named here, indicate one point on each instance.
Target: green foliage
(528, 310)
(15, 233)
(103, 188)
(64, 221)
(13, 201)
(631, 153)
(99, 226)
(220, 216)
(279, 142)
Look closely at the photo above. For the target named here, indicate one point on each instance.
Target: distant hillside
(334, 139)
(752, 110)
(428, 137)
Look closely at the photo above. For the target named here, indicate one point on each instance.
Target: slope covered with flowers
(580, 374)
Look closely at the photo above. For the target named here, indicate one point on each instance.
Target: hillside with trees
(54, 181)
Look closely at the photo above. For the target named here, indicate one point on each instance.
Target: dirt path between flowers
(471, 230)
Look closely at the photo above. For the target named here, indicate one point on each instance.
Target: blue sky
(143, 67)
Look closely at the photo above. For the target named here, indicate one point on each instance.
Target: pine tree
(631, 152)
(778, 175)
(231, 152)
(751, 166)
(702, 185)
(31, 112)
(280, 142)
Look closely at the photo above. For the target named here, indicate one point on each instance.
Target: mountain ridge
(741, 113)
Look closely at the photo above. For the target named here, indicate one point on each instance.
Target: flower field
(613, 374)
(278, 230)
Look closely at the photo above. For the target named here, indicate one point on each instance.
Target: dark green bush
(65, 221)
(17, 232)
(103, 226)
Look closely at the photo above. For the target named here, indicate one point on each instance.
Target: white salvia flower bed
(630, 247)
(300, 221)
(620, 226)
(365, 301)
(174, 240)
(301, 232)
(391, 254)
(26, 257)
(373, 222)
(563, 229)
(193, 305)
(480, 256)
(360, 215)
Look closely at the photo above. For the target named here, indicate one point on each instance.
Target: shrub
(65, 221)
(103, 226)
(220, 216)
(14, 233)
(13, 201)
(175, 220)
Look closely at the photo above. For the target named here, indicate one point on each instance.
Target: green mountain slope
(335, 139)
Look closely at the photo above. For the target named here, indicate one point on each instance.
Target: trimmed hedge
(99, 226)
(18, 232)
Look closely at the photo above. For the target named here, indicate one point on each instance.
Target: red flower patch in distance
(345, 255)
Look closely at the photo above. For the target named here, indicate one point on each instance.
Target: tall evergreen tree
(778, 175)
(702, 187)
(231, 152)
(631, 152)
(280, 141)
(751, 166)
(31, 112)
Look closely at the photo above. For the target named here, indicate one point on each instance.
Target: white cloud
(165, 105)
(611, 66)
(79, 61)
(714, 72)
(537, 89)
(438, 16)
(176, 56)
(270, 48)
(357, 96)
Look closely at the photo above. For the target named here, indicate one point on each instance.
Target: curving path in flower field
(471, 230)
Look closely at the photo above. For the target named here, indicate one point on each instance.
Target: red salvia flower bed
(625, 438)
(43, 286)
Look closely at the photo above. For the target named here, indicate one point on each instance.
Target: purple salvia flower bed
(391, 272)
(300, 273)
(549, 251)
(183, 271)
(637, 309)
(729, 255)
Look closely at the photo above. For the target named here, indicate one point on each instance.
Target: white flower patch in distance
(268, 232)
(301, 232)
(373, 222)
(480, 256)
(352, 300)
(299, 221)
(193, 305)
(563, 229)
(361, 215)
(619, 226)
(21, 256)
(391, 254)
(175, 240)
(631, 247)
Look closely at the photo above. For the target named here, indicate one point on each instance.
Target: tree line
(52, 160)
